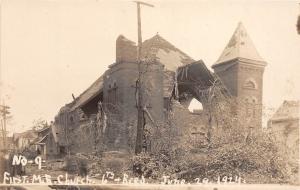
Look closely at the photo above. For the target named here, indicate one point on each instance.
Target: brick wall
(122, 77)
(126, 50)
(238, 76)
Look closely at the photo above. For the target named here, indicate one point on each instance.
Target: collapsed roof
(195, 78)
(195, 74)
(94, 90)
(158, 49)
(155, 48)
(126, 51)
(163, 51)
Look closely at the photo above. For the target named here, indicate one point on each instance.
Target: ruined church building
(111, 99)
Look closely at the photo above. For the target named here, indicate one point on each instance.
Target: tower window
(250, 106)
(250, 84)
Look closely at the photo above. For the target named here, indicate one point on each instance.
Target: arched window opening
(195, 106)
(250, 84)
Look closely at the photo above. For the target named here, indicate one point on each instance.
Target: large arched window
(250, 84)
(195, 106)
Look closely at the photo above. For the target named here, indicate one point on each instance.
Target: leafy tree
(39, 124)
(234, 146)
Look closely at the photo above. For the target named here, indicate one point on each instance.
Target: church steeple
(240, 46)
(241, 68)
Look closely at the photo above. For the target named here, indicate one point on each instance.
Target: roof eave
(259, 63)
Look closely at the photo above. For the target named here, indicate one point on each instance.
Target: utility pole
(141, 120)
(298, 21)
(4, 111)
(3, 108)
(1, 84)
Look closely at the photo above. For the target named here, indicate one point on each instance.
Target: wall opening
(195, 106)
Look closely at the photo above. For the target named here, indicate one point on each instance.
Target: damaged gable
(155, 48)
(93, 92)
(159, 49)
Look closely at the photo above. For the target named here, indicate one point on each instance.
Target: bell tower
(241, 69)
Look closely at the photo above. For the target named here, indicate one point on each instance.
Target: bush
(232, 150)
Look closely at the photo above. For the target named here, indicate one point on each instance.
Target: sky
(51, 49)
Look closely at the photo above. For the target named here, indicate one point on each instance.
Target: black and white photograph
(150, 94)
